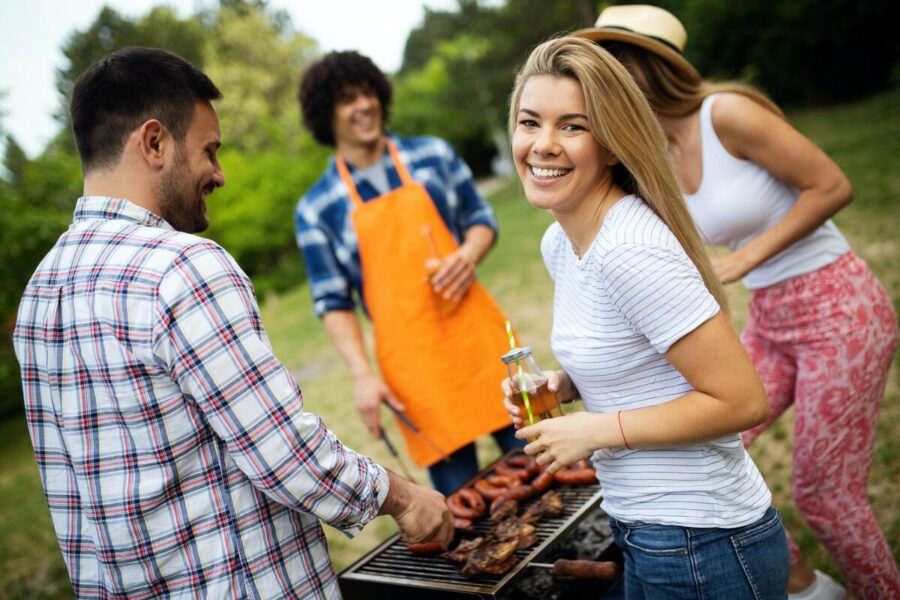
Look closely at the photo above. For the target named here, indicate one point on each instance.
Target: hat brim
(667, 53)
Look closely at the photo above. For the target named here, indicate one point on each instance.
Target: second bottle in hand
(531, 393)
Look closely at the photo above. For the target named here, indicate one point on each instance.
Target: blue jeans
(463, 465)
(669, 562)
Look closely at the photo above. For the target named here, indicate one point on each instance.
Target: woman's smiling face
(557, 158)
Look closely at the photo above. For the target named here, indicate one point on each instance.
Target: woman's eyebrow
(565, 117)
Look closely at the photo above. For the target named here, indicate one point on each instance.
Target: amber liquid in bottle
(543, 402)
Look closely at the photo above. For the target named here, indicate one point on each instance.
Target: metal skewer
(396, 455)
(412, 427)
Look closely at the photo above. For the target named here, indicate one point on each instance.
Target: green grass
(864, 138)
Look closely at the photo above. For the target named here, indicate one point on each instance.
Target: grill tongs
(607, 570)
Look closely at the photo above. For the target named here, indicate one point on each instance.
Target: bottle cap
(516, 354)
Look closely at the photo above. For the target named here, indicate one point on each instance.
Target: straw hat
(649, 27)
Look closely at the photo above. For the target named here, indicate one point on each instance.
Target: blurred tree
(36, 203)
(479, 47)
(255, 57)
(799, 51)
(160, 28)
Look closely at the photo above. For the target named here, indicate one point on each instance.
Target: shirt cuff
(380, 488)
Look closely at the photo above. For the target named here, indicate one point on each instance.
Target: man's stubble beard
(179, 202)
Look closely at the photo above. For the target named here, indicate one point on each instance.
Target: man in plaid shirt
(173, 447)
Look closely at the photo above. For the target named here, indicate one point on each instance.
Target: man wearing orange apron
(388, 211)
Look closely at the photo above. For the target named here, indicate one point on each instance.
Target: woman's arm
(728, 397)
(749, 131)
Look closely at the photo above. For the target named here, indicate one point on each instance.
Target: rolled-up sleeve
(329, 286)
(209, 336)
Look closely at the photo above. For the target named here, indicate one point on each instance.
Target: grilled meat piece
(548, 505)
(496, 558)
(502, 567)
(514, 529)
(461, 553)
(503, 509)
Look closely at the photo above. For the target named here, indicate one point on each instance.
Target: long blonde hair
(672, 92)
(622, 122)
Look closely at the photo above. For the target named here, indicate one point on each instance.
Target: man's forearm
(345, 331)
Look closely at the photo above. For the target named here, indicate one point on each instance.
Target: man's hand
(455, 274)
(370, 392)
(421, 513)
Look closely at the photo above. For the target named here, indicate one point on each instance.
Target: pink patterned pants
(824, 341)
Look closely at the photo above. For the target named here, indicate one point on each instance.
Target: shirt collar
(332, 163)
(106, 207)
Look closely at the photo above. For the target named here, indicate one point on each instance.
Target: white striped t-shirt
(616, 310)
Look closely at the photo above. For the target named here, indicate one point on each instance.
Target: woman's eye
(528, 123)
(573, 127)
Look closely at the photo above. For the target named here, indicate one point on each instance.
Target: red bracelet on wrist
(622, 431)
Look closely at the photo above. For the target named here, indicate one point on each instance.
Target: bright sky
(34, 30)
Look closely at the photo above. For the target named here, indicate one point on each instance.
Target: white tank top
(738, 200)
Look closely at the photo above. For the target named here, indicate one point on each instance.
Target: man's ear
(154, 141)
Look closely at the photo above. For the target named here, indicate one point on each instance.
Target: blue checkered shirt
(325, 231)
(173, 447)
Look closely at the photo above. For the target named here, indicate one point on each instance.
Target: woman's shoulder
(631, 221)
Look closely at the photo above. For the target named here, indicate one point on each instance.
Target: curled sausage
(425, 548)
(580, 473)
(518, 465)
(542, 482)
(494, 486)
(466, 504)
(523, 492)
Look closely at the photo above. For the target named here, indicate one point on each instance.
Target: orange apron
(446, 369)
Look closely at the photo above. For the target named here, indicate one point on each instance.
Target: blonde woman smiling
(640, 332)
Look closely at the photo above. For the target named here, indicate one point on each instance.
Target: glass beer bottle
(529, 384)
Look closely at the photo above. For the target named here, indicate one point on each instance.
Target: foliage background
(456, 74)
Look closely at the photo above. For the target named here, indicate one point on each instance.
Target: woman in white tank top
(822, 330)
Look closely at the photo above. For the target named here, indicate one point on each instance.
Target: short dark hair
(326, 80)
(118, 93)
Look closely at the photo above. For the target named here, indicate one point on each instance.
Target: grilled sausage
(494, 486)
(580, 473)
(425, 548)
(517, 465)
(593, 569)
(466, 504)
(542, 482)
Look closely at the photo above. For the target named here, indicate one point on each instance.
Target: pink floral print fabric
(824, 341)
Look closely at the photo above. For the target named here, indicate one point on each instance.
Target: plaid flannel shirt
(173, 447)
(325, 231)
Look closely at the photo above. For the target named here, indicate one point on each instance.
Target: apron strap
(398, 164)
(344, 172)
(348, 181)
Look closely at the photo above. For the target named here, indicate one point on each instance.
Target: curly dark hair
(326, 80)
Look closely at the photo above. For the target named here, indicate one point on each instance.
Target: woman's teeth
(548, 173)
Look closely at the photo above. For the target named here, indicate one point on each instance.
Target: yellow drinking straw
(512, 346)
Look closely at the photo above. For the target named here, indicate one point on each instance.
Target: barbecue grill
(391, 570)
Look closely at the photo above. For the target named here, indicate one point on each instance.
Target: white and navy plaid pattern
(173, 447)
(325, 231)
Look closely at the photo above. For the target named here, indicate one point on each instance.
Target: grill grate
(391, 567)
